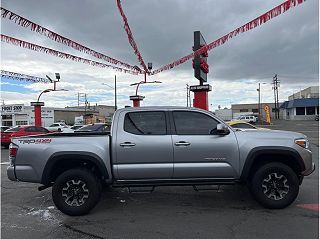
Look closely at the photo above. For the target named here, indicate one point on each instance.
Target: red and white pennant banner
(276, 11)
(130, 37)
(19, 76)
(34, 47)
(60, 39)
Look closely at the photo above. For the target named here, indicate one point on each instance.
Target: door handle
(127, 144)
(182, 143)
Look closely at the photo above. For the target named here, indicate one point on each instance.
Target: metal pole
(278, 113)
(187, 95)
(275, 99)
(259, 104)
(115, 92)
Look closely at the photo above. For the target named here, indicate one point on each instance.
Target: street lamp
(144, 82)
(115, 91)
(259, 100)
(37, 105)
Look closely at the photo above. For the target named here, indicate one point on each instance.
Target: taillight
(13, 150)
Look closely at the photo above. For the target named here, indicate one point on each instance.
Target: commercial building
(251, 109)
(18, 114)
(303, 105)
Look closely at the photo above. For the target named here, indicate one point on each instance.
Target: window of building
(300, 111)
(23, 122)
(193, 123)
(255, 110)
(6, 117)
(145, 123)
(311, 110)
(244, 110)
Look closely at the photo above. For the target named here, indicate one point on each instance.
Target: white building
(12, 115)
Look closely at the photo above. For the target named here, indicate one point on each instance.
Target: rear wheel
(76, 192)
(274, 185)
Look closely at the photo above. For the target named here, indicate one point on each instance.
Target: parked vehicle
(75, 127)
(158, 146)
(240, 125)
(59, 126)
(248, 118)
(4, 128)
(19, 131)
(97, 127)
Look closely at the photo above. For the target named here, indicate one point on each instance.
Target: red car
(18, 131)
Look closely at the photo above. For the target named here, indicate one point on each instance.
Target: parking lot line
(313, 207)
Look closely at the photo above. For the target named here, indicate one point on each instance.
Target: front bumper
(11, 174)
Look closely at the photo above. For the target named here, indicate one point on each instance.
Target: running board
(145, 189)
(198, 188)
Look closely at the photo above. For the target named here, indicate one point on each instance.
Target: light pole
(259, 100)
(137, 98)
(37, 105)
(115, 91)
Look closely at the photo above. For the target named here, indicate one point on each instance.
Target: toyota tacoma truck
(162, 146)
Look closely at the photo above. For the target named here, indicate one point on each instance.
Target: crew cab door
(143, 146)
(198, 152)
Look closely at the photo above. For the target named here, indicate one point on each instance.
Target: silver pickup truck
(161, 146)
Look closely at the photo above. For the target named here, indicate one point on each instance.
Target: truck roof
(162, 108)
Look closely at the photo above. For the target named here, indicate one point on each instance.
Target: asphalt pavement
(168, 212)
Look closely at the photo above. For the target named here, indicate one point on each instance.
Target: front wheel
(274, 185)
(76, 192)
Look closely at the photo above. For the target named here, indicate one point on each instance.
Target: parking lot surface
(168, 212)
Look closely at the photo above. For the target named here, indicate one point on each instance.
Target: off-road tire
(274, 185)
(80, 182)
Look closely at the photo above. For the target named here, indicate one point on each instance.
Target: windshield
(14, 129)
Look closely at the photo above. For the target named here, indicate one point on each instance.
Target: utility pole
(259, 106)
(276, 85)
(115, 92)
(188, 95)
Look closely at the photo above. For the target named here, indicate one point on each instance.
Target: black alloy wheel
(76, 191)
(274, 185)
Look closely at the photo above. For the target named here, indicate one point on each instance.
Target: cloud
(287, 46)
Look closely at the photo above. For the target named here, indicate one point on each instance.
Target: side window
(193, 123)
(145, 123)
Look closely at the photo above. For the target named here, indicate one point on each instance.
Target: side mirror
(220, 130)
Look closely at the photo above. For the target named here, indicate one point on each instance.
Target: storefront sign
(11, 109)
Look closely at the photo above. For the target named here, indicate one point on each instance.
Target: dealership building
(18, 114)
(303, 105)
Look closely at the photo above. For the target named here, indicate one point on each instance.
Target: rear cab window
(145, 123)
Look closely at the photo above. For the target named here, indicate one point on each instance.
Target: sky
(288, 46)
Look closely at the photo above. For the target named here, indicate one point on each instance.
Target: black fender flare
(57, 157)
(276, 150)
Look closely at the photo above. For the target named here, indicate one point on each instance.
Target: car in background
(97, 127)
(59, 126)
(244, 126)
(76, 126)
(247, 118)
(19, 131)
(4, 128)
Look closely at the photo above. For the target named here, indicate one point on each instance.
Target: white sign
(10, 109)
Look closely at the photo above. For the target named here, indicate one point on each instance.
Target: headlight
(304, 143)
